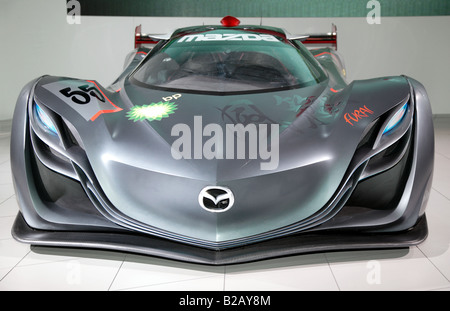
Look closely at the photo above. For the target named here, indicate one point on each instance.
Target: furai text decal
(357, 115)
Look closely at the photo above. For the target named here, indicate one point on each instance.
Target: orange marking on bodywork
(106, 110)
(358, 114)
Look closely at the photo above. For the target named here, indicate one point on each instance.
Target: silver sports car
(224, 144)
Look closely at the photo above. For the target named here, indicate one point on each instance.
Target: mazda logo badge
(216, 199)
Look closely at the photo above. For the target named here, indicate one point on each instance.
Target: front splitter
(286, 246)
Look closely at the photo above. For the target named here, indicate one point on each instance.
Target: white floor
(425, 267)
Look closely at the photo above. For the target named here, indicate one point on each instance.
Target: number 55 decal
(83, 95)
(86, 97)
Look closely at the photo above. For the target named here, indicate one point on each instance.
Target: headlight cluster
(44, 121)
(396, 119)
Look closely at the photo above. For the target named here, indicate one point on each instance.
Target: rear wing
(322, 40)
(311, 41)
(315, 41)
(145, 40)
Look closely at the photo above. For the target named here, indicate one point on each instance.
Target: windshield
(226, 60)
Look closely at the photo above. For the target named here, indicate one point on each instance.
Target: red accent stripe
(311, 41)
(106, 110)
(322, 39)
(323, 54)
(138, 41)
(333, 90)
(141, 53)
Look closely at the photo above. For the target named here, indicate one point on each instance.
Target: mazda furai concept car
(224, 144)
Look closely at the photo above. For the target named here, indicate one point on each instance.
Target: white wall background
(35, 39)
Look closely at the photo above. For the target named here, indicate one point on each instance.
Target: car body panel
(115, 171)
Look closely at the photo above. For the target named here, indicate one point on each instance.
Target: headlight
(44, 121)
(396, 119)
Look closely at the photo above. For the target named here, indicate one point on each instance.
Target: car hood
(191, 114)
(131, 154)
